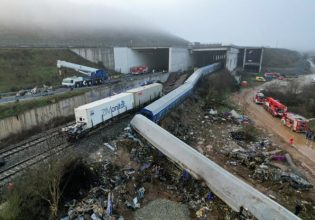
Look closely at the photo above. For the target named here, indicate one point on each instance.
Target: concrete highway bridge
(172, 59)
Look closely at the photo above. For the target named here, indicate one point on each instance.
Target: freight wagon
(145, 94)
(95, 113)
(99, 111)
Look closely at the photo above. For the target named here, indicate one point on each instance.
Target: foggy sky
(274, 23)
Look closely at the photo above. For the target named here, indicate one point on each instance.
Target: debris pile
(267, 162)
(229, 116)
(125, 188)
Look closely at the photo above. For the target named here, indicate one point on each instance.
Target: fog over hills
(64, 23)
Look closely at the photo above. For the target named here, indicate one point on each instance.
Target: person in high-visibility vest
(291, 141)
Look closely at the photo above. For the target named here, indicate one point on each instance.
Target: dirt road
(302, 150)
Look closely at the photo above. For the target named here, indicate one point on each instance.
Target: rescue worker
(308, 134)
(298, 207)
(291, 141)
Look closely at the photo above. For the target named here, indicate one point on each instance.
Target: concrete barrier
(43, 115)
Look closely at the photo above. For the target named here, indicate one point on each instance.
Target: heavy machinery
(139, 69)
(295, 122)
(274, 107)
(259, 98)
(93, 76)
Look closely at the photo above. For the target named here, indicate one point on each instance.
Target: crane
(93, 76)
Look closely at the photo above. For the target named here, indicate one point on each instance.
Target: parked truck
(274, 107)
(92, 76)
(295, 122)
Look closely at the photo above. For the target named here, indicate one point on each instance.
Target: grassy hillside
(70, 36)
(26, 68)
(274, 57)
(284, 61)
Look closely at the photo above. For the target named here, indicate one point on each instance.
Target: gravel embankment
(163, 209)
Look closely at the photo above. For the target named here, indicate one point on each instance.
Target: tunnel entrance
(126, 58)
(252, 68)
(155, 58)
(206, 57)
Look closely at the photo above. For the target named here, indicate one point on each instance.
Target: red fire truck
(274, 107)
(139, 69)
(259, 98)
(295, 122)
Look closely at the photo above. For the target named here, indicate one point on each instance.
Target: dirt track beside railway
(302, 150)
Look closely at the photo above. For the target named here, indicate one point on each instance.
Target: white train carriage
(232, 190)
(97, 112)
(145, 94)
(92, 114)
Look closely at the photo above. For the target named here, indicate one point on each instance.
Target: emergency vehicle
(295, 122)
(259, 98)
(274, 107)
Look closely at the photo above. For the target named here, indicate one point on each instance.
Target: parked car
(260, 79)
(21, 93)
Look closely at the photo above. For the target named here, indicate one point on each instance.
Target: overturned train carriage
(232, 190)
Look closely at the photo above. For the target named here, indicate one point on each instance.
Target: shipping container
(99, 111)
(145, 94)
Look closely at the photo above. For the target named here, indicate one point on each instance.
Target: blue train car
(158, 109)
(201, 72)
(194, 78)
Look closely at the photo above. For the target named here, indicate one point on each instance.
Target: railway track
(9, 172)
(17, 149)
(29, 143)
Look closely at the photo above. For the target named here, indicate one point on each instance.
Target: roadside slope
(26, 68)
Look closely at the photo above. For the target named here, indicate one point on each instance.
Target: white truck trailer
(92, 114)
(145, 94)
(99, 111)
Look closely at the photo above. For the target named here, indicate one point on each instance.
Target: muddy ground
(211, 137)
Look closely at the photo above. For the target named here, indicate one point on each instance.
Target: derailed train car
(157, 110)
(95, 113)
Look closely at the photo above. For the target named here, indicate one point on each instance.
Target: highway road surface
(62, 90)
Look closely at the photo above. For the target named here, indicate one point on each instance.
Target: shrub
(300, 100)
(37, 193)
